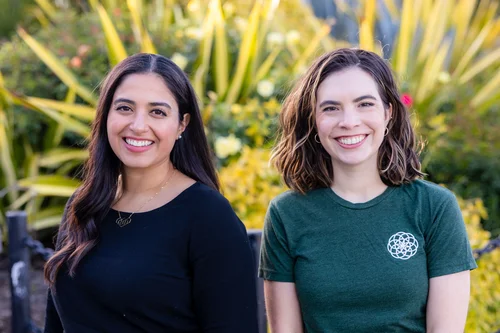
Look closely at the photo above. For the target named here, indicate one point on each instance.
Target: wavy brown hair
(304, 164)
(191, 155)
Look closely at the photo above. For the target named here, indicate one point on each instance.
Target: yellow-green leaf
(245, 54)
(116, 50)
(47, 222)
(69, 123)
(6, 162)
(203, 62)
(51, 185)
(141, 34)
(221, 52)
(47, 8)
(480, 65)
(392, 8)
(267, 64)
(489, 91)
(404, 38)
(434, 29)
(77, 110)
(23, 199)
(57, 67)
(311, 48)
(433, 67)
(473, 49)
(461, 21)
(46, 218)
(366, 33)
(58, 156)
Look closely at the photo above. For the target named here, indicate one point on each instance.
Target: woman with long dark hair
(361, 243)
(147, 243)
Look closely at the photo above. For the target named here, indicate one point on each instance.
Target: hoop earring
(386, 131)
(316, 138)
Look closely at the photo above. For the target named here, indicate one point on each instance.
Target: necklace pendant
(123, 221)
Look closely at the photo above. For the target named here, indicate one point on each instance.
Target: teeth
(351, 140)
(138, 143)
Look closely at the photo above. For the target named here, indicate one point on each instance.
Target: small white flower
(265, 88)
(228, 9)
(193, 6)
(179, 60)
(292, 37)
(193, 33)
(275, 39)
(444, 77)
(227, 145)
(241, 23)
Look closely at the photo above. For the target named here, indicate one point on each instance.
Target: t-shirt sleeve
(448, 248)
(276, 261)
(224, 272)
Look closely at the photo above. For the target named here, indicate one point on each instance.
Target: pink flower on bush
(75, 62)
(407, 100)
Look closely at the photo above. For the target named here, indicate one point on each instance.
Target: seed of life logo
(402, 245)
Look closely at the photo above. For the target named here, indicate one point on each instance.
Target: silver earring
(180, 136)
(386, 131)
(316, 138)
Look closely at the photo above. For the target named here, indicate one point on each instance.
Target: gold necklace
(124, 221)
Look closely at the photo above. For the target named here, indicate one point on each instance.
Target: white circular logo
(402, 245)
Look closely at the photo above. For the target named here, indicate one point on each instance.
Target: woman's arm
(224, 272)
(282, 306)
(447, 303)
(52, 320)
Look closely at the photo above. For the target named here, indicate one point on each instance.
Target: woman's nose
(139, 124)
(350, 118)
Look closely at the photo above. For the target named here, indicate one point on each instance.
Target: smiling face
(143, 121)
(351, 118)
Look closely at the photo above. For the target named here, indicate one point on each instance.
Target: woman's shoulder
(203, 200)
(211, 209)
(429, 190)
(205, 194)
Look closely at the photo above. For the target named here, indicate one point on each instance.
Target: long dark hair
(91, 202)
(304, 164)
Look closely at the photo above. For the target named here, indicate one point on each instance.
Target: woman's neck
(357, 184)
(137, 181)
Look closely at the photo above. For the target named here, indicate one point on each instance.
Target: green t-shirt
(364, 267)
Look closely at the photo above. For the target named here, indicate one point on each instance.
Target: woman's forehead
(352, 82)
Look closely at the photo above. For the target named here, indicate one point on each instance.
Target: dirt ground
(38, 295)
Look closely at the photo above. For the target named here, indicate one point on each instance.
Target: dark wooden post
(255, 237)
(19, 269)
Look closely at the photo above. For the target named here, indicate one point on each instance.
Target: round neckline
(178, 197)
(360, 205)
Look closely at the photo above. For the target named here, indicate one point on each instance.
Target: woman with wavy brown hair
(147, 243)
(360, 243)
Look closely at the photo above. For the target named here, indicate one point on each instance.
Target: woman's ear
(184, 122)
(388, 114)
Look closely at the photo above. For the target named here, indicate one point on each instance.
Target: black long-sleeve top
(184, 267)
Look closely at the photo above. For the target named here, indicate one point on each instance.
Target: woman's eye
(158, 112)
(330, 108)
(367, 104)
(123, 108)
